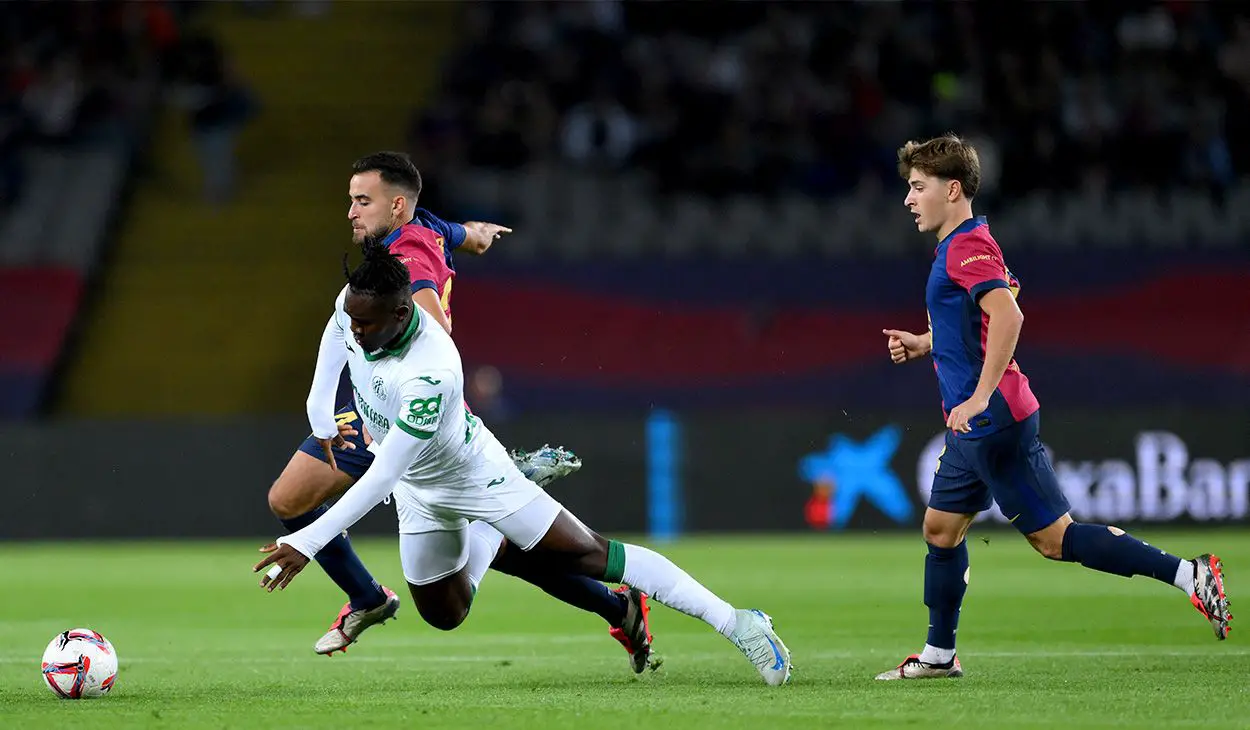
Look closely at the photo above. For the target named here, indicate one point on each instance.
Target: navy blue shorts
(1009, 467)
(352, 461)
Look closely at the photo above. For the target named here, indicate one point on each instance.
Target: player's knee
(943, 536)
(1048, 541)
(286, 503)
(1047, 545)
(446, 616)
(594, 559)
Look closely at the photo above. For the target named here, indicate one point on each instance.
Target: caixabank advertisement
(855, 471)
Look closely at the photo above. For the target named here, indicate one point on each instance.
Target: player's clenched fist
(906, 346)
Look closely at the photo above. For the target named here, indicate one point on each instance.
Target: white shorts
(433, 523)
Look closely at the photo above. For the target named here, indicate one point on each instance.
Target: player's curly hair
(380, 274)
(948, 157)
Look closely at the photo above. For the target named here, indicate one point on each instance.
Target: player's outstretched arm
(391, 460)
(413, 430)
(906, 346)
(479, 236)
(294, 551)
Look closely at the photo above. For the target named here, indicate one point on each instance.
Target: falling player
(383, 191)
(457, 493)
(992, 446)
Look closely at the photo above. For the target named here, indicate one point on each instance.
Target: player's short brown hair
(395, 168)
(947, 157)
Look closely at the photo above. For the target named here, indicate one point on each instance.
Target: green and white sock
(668, 584)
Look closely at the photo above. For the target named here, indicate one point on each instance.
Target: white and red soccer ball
(80, 664)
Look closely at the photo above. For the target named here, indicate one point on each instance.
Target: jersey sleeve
(390, 462)
(423, 402)
(453, 233)
(976, 264)
(424, 266)
(331, 357)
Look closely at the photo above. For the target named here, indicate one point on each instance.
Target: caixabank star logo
(848, 472)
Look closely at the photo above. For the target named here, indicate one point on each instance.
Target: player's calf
(1109, 549)
(1106, 549)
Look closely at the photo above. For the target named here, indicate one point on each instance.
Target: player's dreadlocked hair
(381, 274)
(947, 157)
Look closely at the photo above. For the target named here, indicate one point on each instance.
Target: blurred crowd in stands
(79, 73)
(730, 98)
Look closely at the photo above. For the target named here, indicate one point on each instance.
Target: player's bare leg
(570, 544)
(945, 582)
(1109, 549)
(297, 498)
(444, 570)
(304, 485)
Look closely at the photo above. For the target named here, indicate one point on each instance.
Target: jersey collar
(392, 237)
(402, 342)
(964, 227)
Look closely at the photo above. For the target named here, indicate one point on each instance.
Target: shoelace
(761, 652)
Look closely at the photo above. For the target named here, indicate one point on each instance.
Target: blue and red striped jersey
(967, 264)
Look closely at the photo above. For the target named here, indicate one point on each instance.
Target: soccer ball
(80, 664)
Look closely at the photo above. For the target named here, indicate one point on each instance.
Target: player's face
(928, 199)
(374, 211)
(376, 321)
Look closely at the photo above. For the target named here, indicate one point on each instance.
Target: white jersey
(445, 466)
(418, 386)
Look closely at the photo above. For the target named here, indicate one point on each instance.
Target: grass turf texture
(1044, 645)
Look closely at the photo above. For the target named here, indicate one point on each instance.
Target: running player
(993, 452)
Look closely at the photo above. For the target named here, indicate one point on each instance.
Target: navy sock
(341, 563)
(944, 588)
(1111, 550)
(576, 590)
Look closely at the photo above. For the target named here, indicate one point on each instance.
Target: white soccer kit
(443, 465)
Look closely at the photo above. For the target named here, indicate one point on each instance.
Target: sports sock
(934, 655)
(1111, 550)
(1185, 577)
(945, 582)
(668, 584)
(339, 560)
(578, 591)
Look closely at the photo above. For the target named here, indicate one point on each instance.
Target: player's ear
(953, 189)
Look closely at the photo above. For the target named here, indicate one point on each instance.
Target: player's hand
(481, 235)
(338, 442)
(959, 416)
(290, 560)
(904, 346)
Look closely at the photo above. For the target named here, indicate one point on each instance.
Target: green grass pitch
(1044, 645)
